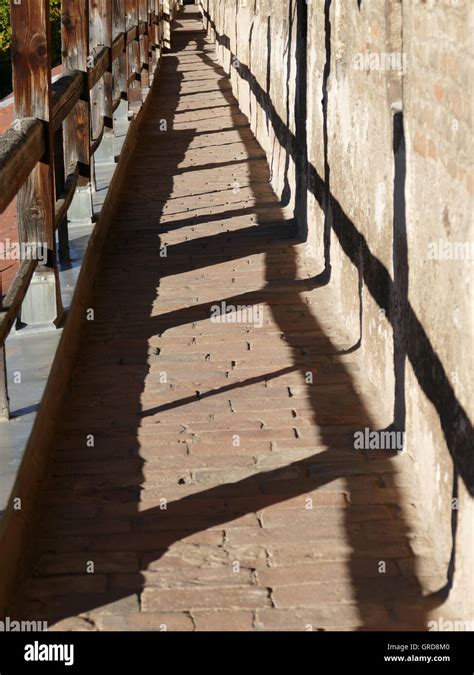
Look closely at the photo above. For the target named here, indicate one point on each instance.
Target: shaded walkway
(204, 474)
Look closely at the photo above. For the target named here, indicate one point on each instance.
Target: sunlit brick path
(204, 475)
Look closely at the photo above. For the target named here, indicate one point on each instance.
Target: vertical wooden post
(60, 180)
(4, 400)
(152, 18)
(166, 23)
(144, 47)
(102, 94)
(118, 17)
(31, 61)
(159, 26)
(151, 38)
(120, 65)
(133, 59)
(100, 22)
(77, 126)
(100, 35)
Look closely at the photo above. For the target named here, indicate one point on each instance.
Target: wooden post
(133, 59)
(166, 23)
(118, 17)
(152, 35)
(4, 400)
(77, 126)
(151, 39)
(119, 67)
(144, 47)
(31, 61)
(159, 28)
(60, 181)
(100, 22)
(101, 29)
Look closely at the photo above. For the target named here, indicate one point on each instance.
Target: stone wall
(364, 111)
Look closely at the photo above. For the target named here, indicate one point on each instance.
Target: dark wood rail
(110, 51)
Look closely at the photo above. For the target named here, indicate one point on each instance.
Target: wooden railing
(62, 129)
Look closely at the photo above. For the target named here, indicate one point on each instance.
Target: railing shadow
(411, 341)
(87, 517)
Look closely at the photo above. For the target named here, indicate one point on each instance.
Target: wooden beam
(78, 141)
(100, 134)
(100, 63)
(144, 43)
(101, 84)
(100, 23)
(101, 36)
(131, 34)
(65, 198)
(75, 34)
(59, 174)
(118, 18)
(131, 13)
(119, 64)
(19, 286)
(15, 296)
(156, 33)
(116, 103)
(31, 61)
(66, 92)
(75, 51)
(134, 93)
(118, 46)
(21, 147)
(4, 399)
(143, 11)
(77, 126)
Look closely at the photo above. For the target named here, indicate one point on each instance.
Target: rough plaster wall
(356, 168)
(438, 112)
(360, 158)
(259, 33)
(316, 60)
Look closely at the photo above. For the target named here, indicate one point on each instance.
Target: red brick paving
(221, 491)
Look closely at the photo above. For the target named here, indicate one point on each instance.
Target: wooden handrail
(97, 141)
(101, 63)
(21, 147)
(8, 313)
(118, 46)
(110, 49)
(131, 35)
(15, 296)
(66, 92)
(64, 200)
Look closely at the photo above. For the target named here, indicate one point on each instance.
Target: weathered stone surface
(325, 617)
(223, 621)
(205, 598)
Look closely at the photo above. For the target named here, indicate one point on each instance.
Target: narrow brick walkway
(222, 490)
